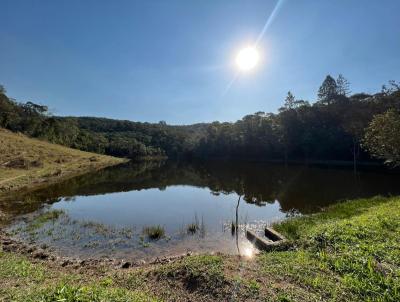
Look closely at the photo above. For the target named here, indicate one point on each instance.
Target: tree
(289, 101)
(360, 96)
(301, 103)
(382, 137)
(343, 86)
(35, 108)
(2, 89)
(292, 103)
(393, 87)
(328, 90)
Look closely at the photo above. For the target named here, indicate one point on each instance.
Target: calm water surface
(105, 213)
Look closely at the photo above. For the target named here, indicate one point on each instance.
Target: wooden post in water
(237, 224)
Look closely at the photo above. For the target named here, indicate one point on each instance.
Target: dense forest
(338, 126)
(100, 135)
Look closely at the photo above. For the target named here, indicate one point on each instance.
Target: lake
(196, 204)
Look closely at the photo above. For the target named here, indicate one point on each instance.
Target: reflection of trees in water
(300, 187)
(113, 179)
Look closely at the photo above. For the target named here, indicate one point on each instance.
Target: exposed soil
(44, 253)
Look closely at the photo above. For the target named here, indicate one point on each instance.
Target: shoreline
(44, 181)
(322, 163)
(327, 261)
(46, 254)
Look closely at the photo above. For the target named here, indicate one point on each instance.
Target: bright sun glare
(247, 58)
(248, 252)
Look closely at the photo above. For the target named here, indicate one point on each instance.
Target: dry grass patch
(27, 162)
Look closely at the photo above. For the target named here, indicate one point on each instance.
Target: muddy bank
(45, 253)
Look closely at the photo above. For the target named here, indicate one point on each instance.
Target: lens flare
(247, 58)
(248, 252)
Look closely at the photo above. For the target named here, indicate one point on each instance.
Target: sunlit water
(106, 213)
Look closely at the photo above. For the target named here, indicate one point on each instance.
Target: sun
(247, 58)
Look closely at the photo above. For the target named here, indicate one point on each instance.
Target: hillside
(27, 162)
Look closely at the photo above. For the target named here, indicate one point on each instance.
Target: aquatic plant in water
(154, 232)
(192, 228)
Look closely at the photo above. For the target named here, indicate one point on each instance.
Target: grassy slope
(26, 162)
(349, 252)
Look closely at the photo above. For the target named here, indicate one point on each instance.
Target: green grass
(351, 251)
(22, 280)
(17, 267)
(92, 293)
(294, 228)
(41, 220)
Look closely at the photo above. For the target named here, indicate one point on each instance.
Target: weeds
(50, 216)
(192, 228)
(154, 232)
(233, 227)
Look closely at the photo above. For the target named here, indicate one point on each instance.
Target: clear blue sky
(172, 60)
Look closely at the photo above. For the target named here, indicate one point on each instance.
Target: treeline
(338, 126)
(332, 128)
(100, 135)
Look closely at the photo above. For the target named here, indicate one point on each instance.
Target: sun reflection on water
(248, 252)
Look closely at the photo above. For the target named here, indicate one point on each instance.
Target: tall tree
(382, 137)
(328, 90)
(289, 101)
(343, 85)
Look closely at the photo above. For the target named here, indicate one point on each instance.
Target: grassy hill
(27, 162)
